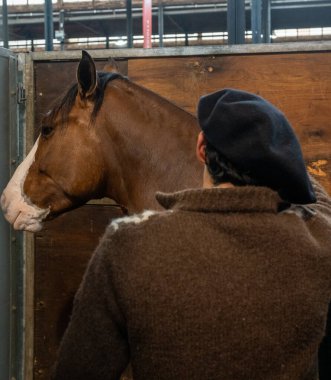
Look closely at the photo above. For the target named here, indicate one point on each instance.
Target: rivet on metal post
(21, 97)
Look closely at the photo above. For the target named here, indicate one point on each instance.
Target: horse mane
(63, 107)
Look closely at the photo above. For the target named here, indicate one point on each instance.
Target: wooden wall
(298, 83)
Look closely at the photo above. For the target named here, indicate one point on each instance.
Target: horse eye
(46, 131)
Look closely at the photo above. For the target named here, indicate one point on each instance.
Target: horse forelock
(63, 107)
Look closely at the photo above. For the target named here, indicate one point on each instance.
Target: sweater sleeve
(323, 203)
(95, 344)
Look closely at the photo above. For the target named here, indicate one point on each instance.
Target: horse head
(63, 169)
(85, 149)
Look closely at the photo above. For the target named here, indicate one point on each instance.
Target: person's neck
(208, 182)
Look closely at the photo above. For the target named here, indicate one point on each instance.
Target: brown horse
(108, 137)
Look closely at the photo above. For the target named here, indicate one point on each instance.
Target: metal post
(266, 21)
(186, 39)
(10, 310)
(147, 23)
(129, 23)
(256, 25)
(4, 226)
(5, 24)
(48, 25)
(161, 23)
(236, 22)
(17, 120)
(61, 28)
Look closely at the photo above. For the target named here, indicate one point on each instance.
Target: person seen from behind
(231, 281)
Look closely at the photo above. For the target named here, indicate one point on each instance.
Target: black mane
(64, 106)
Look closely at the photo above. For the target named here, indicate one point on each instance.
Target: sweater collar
(244, 199)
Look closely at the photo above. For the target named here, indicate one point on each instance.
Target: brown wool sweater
(219, 286)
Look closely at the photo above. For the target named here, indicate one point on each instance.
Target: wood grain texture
(62, 252)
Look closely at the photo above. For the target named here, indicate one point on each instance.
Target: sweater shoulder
(124, 235)
(128, 224)
(134, 219)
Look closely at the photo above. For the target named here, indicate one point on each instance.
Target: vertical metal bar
(266, 21)
(147, 23)
(231, 26)
(18, 261)
(17, 108)
(129, 23)
(256, 25)
(161, 23)
(61, 28)
(11, 304)
(48, 23)
(240, 22)
(4, 226)
(5, 24)
(28, 243)
(236, 22)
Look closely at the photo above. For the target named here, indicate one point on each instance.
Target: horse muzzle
(21, 214)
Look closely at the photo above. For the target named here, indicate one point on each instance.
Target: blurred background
(33, 25)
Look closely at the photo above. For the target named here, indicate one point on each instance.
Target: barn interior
(31, 25)
(181, 50)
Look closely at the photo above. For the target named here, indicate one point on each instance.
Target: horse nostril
(3, 203)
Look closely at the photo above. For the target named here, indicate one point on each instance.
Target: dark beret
(257, 139)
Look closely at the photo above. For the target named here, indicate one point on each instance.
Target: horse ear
(86, 75)
(111, 66)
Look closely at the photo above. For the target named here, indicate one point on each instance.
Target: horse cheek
(89, 181)
(46, 194)
(32, 188)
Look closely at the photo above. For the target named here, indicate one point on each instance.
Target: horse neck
(152, 145)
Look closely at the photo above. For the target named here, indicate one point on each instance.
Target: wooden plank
(62, 251)
(299, 84)
(186, 51)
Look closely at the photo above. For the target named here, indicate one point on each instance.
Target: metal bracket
(21, 96)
